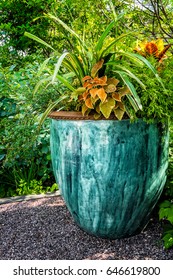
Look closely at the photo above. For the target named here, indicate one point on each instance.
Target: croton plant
(98, 76)
(154, 48)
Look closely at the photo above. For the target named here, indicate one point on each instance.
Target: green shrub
(166, 206)
(24, 150)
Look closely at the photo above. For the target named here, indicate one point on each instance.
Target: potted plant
(110, 163)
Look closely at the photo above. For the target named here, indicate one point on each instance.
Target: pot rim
(73, 115)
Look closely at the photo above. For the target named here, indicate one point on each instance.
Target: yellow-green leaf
(84, 109)
(119, 113)
(110, 88)
(107, 107)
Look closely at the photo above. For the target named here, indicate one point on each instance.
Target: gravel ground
(43, 229)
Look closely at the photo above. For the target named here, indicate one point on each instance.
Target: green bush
(166, 206)
(24, 150)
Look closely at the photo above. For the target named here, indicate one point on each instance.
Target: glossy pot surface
(111, 173)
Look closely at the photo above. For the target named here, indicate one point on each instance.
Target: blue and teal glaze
(111, 173)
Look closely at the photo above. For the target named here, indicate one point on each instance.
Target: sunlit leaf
(84, 109)
(88, 103)
(116, 96)
(35, 38)
(58, 65)
(119, 113)
(93, 92)
(101, 94)
(96, 67)
(107, 107)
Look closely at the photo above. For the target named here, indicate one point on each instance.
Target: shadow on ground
(43, 229)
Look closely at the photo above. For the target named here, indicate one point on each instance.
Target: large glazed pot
(111, 173)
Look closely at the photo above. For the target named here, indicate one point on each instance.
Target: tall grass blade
(35, 38)
(134, 98)
(58, 65)
(51, 107)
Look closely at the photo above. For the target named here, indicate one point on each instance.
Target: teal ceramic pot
(111, 173)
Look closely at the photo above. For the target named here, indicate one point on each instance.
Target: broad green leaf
(35, 38)
(168, 240)
(107, 107)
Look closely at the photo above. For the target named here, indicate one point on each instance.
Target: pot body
(111, 173)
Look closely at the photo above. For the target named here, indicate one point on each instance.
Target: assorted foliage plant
(98, 76)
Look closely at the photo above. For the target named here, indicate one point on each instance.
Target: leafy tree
(17, 16)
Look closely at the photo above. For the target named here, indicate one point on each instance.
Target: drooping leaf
(96, 67)
(101, 94)
(58, 65)
(35, 38)
(88, 103)
(93, 92)
(116, 96)
(119, 113)
(43, 66)
(50, 108)
(84, 109)
(133, 98)
(65, 82)
(66, 27)
(107, 107)
(128, 72)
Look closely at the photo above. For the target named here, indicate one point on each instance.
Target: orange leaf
(93, 92)
(112, 81)
(80, 97)
(116, 96)
(97, 67)
(85, 94)
(88, 103)
(100, 81)
(86, 78)
(162, 53)
(101, 94)
(121, 106)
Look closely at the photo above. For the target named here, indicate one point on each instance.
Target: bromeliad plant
(95, 76)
